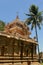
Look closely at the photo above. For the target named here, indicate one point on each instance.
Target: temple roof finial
(17, 17)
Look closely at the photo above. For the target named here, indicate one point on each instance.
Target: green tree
(34, 18)
(2, 25)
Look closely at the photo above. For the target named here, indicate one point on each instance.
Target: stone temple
(16, 45)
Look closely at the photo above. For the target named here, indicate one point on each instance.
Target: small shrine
(16, 44)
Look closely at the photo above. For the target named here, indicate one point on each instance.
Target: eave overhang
(7, 36)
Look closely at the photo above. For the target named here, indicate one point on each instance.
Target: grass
(42, 64)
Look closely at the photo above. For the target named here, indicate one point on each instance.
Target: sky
(9, 9)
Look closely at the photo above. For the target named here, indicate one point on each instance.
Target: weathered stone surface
(35, 63)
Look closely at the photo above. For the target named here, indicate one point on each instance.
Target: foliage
(2, 25)
(35, 17)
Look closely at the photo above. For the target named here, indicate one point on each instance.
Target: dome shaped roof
(17, 27)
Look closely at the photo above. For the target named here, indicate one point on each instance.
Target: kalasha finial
(17, 17)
